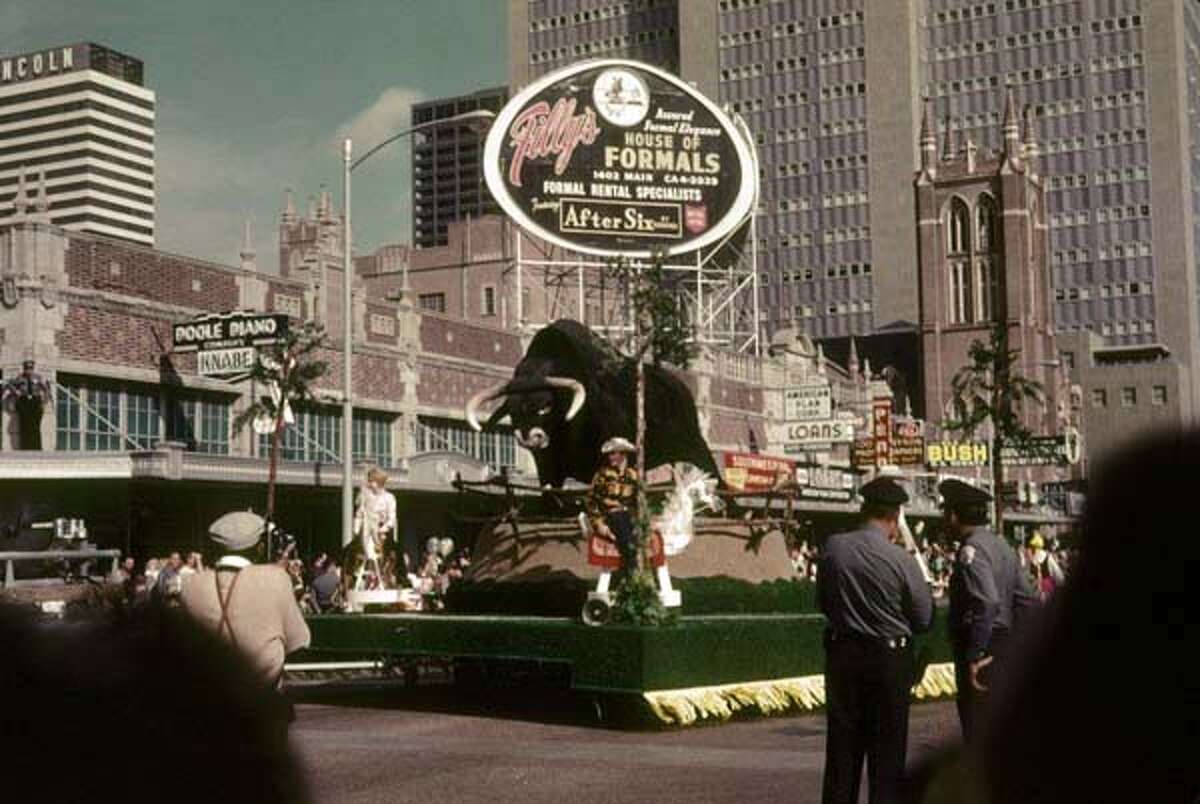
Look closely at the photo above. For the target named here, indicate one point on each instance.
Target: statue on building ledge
(28, 393)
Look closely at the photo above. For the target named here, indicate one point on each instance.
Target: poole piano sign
(226, 343)
(620, 159)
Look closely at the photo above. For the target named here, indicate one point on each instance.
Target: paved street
(393, 745)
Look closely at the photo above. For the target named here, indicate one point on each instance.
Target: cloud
(388, 115)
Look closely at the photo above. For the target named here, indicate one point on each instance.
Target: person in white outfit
(374, 524)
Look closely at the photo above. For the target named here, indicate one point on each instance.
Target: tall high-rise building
(833, 89)
(77, 141)
(447, 165)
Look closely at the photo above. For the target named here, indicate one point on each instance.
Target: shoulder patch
(966, 555)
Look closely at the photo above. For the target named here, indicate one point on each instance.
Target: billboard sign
(620, 159)
(749, 471)
(828, 483)
(808, 402)
(1043, 451)
(229, 331)
(798, 435)
(956, 453)
(881, 430)
(219, 362)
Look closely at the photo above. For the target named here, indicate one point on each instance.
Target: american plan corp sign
(226, 345)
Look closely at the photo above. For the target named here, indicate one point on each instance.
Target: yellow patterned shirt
(612, 490)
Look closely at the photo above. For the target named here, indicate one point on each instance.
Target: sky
(254, 96)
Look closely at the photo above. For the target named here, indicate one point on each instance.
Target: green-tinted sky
(255, 96)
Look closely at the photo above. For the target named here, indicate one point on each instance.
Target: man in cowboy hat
(613, 499)
(988, 592)
(249, 605)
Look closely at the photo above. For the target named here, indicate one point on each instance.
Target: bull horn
(489, 393)
(575, 387)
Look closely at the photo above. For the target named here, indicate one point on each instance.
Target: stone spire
(324, 211)
(42, 204)
(20, 200)
(247, 252)
(971, 150)
(852, 363)
(289, 207)
(949, 142)
(312, 208)
(866, 375)
(820, 361)
(928, 138)
(1029, 146)
(1012, 147)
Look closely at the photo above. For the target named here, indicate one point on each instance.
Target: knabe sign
(618, 158)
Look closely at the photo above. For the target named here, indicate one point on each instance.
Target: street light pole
(347, 357)
(476, 116)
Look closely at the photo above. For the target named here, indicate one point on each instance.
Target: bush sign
(620, 159)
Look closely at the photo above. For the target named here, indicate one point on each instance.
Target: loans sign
(618, 158)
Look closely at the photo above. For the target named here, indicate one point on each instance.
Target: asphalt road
(396, 746)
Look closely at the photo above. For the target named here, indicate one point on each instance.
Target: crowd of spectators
(1045, 558)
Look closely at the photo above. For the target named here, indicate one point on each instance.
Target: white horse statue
(693, 492)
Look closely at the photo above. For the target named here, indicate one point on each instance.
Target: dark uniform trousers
(867, 687)
(621, 524)
(968, 699)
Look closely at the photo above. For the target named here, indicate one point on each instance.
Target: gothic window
(958, 227)
(985, 225)
(986, 289)
(960, 293)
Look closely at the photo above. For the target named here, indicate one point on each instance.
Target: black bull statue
(572, 391)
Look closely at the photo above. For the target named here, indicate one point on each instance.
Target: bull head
(529, 403)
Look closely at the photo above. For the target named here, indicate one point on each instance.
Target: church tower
(983, 248)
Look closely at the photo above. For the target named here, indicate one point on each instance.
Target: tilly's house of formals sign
(618, 158)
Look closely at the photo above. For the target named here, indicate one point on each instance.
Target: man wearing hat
(29, 392)
(613, 499)
(875, 598)
(249, 605)
(988, 591)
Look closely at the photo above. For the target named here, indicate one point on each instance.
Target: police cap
(884, 491)
(959, 495)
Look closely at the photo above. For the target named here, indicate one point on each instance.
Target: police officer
(988, 591)
(875, 598)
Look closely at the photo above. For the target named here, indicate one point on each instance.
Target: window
(143, 420)
(1068, 359)
(1099, 398)
(1158, 395)
(985, 229)
(201, 423)
(495, 448)
(986, 289)
(489, 300)
(432, 302)
(372, 438)
(1128, 397)
(957, 227)
(960, 293)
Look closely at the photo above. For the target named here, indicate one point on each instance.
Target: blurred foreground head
(90, 706)
(1103, 702)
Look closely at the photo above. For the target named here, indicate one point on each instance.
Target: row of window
(964, 13)
(738, 5)
(1123, 137)
(846, 235)
(793, 205)
(844, 162)
(1044, 36)
(99, 416)
(740, 38)
(1132, 212)
(1129, 396)
(594, 15)
(1118, 100)
(840, 20)
(1120, 62)
(497, 449)
(831, 272)
(1127, 328)
(843, 91)
(1117, 23)
(838, 127)
(791, 134)
(843, 56)
(1136, 173)
(596, 47)
(977, 84)
(1118, 290)
(835, 200)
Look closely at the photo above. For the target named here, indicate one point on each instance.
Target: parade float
(625, 163)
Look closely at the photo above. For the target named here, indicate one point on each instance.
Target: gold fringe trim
(686, 706)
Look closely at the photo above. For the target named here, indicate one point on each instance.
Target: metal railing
(10, 558)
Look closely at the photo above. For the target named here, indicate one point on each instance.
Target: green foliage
(990, 389)
(637, 601)
(291, 366)
(665, 333)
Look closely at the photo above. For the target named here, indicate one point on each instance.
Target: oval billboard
(618, 158)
